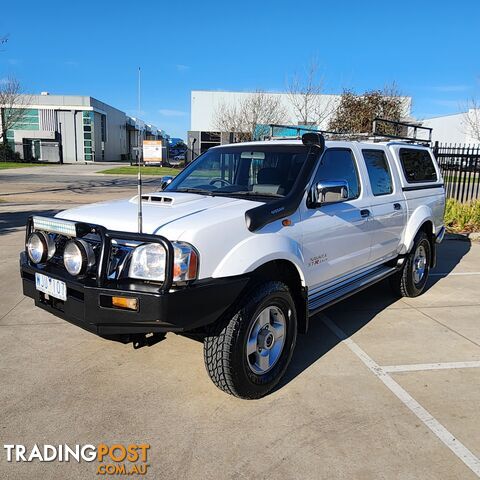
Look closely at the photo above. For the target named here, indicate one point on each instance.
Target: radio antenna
(139, 173)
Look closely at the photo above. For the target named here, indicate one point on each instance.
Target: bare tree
(251, 116)
(472, 119)
(355, 113)
(305, 95)
(12, 105)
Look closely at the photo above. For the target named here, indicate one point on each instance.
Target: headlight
(148, 262)
(78, 257)
(40, 247)
(185, 263)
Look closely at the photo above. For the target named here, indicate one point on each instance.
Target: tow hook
(147, 340)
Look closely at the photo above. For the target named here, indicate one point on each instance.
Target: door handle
(397, 206)
(365, 213)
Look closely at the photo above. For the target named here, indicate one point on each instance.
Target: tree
(355, 113)
(12, 106)
(472, 119)
(251, 116)
(305, 95)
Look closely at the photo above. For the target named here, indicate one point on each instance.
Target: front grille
(118, 261)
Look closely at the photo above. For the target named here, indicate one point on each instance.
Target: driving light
(185, 262)
(40, 247)
(78, 257)
(148, 262)
(55, 225)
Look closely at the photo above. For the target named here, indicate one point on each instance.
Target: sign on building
(152, 151)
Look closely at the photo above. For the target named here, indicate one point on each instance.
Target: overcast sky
(430, 48)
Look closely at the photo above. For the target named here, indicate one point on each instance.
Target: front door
(336, 237)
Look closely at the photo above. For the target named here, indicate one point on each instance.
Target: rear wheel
(411, 280)
(247, 354)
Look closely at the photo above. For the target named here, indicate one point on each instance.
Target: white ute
(246, 244)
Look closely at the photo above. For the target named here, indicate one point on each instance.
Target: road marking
(453, 274)
(457, 447)
(430, 366)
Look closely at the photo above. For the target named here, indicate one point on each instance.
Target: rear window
(417, 165)
(378, 172)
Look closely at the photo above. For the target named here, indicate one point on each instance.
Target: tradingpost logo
(115, 459)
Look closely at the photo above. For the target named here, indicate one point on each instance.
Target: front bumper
(181, 310)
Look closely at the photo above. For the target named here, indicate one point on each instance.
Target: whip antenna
(139, 173)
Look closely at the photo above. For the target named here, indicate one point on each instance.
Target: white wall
(450, 129)
(205, 103)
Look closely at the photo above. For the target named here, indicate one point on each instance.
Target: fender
(420, 215)
(255, 251)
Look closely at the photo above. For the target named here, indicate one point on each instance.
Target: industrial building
(455, 128)
(204, 132)
(77, 129)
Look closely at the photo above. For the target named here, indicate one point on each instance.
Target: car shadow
(352, 314)
(13, 221)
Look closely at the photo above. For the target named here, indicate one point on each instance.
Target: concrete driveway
(379, 389)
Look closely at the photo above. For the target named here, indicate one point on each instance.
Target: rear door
(387, 204)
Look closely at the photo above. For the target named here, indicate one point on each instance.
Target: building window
(28, 120)
(104, 127)
(11, 138)
(88, 140)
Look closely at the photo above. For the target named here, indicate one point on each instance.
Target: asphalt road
(380, 388)
(67, 184)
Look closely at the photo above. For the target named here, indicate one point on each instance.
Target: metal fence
(460, 165)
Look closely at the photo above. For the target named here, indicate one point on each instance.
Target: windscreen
(253, 171)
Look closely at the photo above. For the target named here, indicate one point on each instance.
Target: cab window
(339, 164)
(378, 172)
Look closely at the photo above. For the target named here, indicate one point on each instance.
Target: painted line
(430, 366)
(453, 274)
(460, 450)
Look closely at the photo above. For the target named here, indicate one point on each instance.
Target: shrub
(462, 217)
(7, 154)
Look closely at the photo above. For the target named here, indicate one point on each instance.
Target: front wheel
(247, 353)
(412, 278)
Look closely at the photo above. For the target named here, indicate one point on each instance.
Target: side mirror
(165, 181)
(326, 192)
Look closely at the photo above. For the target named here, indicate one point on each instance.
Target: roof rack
(398, 129)
(391, 130)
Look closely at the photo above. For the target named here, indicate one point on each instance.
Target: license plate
(51, 286)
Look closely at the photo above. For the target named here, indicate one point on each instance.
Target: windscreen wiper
(255, 194)
(200, 191)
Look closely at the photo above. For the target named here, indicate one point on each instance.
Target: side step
(333, 295)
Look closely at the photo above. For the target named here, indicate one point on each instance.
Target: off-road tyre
(403, 283)
(224, 349)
